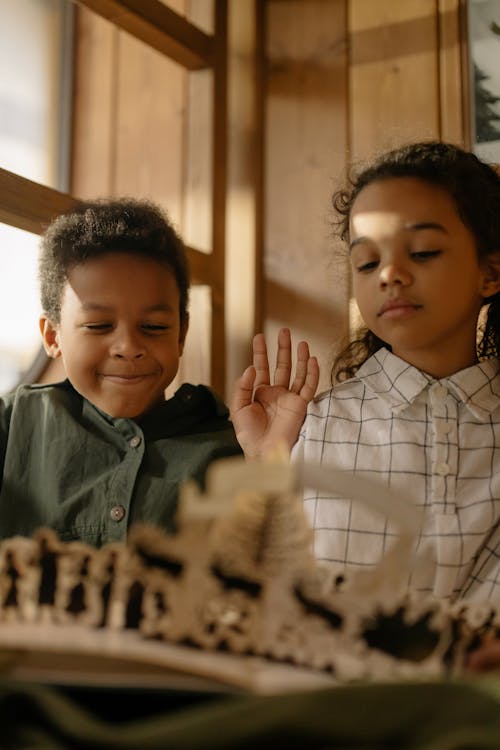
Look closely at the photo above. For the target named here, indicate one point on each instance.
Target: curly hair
(474, 186)
(96, 228)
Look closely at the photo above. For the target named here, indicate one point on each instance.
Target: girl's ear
(491, 274)
(50, 337)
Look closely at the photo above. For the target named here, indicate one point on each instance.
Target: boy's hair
(95, 228)
(473, 184)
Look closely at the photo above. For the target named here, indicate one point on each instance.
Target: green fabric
(425, 716)
(67, 465)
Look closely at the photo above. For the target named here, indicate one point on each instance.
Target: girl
(416, 402)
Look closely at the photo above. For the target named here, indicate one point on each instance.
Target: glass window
(35, 74)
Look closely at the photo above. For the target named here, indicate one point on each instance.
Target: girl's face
(417, 278)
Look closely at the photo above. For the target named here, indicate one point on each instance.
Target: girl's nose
(393, 274)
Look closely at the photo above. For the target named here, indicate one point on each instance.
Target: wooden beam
(28, 205)
(200, 266)
(160, 27)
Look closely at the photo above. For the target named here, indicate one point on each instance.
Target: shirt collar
(399, 383)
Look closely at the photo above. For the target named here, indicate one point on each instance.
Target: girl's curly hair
(473, 184)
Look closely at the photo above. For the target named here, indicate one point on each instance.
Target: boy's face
(119, 333)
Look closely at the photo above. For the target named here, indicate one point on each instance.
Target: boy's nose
(393, 274)
(126, 345)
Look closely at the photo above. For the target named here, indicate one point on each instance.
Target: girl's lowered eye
(423, 255)
(367, 266)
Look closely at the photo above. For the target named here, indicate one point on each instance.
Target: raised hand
(267, 415)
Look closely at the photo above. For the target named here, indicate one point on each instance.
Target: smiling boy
(103, 449)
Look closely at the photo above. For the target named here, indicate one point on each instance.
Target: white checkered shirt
(437, 443)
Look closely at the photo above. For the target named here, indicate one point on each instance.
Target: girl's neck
(439, 364)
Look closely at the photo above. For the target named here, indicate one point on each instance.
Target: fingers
(283, 359)
(308, 390)
(306, 379)
(243, 390)
(260, 360)
(306, 373)
(303, 358)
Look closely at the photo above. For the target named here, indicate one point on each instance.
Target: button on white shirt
(437, 443)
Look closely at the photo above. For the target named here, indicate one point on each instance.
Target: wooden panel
(94, 106)
(160, 27)
(305, 288)
(200, 266)
(453, 72)
(28, 205)
(393, 74)
(149, 126)
(218, 333)
(243, 259)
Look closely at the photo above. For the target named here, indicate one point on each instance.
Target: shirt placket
(122, 487)
(444, 458)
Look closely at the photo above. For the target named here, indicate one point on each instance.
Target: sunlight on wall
(19, 305)
(30, 32)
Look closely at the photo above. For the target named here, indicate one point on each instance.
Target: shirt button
(439, 391)
(443, 469)
(443, 428)
(135, 441)
(117, 513)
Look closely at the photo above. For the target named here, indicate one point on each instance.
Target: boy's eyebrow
(96, 306)
(416, 227)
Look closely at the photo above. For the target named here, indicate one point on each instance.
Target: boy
(104, 449)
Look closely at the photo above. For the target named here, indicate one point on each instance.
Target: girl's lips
(397, 308)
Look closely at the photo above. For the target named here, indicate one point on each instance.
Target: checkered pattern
(437, 443)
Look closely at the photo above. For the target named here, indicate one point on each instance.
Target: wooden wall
(314, 85)
(345, 80)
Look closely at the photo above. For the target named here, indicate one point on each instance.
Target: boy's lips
(126, 377)
(397, 307)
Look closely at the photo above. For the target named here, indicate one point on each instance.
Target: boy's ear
(50, 337)
(183, 333)
(491, 274)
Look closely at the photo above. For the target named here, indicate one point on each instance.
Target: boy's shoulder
(193, 409)
(36, 390)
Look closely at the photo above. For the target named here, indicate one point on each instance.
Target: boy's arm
(268, 415)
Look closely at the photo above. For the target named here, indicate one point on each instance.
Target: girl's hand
(486, 658)
(264, 415)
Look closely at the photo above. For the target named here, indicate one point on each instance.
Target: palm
(266, 416)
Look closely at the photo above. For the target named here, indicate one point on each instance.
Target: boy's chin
(127, 410)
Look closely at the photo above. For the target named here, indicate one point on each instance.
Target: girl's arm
(486, 658)
(265, 415)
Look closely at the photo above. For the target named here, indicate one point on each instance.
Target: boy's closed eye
(154, 328)
(97, 326)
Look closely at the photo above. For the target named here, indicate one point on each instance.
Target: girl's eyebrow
(427, 225)
(416, 227)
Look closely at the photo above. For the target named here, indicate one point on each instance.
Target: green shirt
(69, 466)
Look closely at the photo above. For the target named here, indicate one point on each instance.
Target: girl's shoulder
(347, 390)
